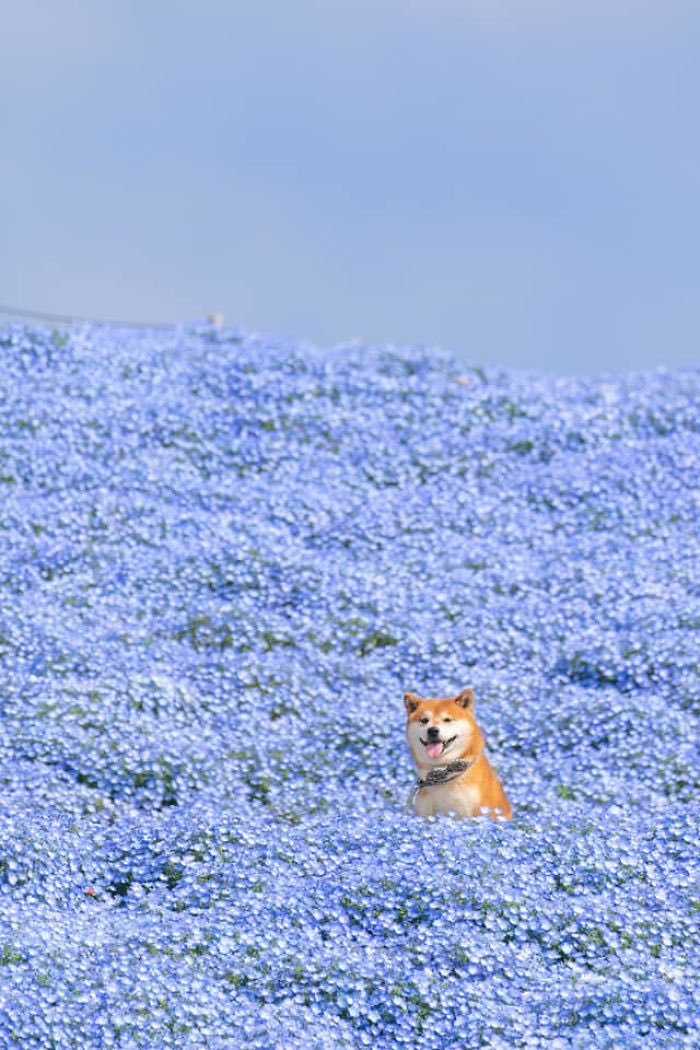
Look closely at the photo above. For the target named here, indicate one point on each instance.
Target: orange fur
(478, 786)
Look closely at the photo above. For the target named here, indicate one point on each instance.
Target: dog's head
(441, 731)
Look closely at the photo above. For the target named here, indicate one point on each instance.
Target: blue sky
(514, 181)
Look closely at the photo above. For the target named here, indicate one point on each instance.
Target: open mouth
(434, 748)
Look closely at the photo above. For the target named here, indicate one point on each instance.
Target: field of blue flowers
(223, 558)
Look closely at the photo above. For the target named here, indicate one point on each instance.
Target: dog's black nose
(433, 732)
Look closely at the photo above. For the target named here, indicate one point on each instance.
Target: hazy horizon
(512, 183)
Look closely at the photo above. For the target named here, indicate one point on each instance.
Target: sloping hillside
(223, 558)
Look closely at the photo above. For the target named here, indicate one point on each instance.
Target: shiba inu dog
(454, 774)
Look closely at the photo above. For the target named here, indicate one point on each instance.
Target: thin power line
(41, 315)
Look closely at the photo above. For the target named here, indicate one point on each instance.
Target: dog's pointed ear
(411, 701)
(466, 699)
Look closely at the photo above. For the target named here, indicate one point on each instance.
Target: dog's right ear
(411, 701)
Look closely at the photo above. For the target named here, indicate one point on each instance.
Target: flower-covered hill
(223, 559)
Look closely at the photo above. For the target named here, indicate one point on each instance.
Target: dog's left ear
(411, 701)
(465, 699)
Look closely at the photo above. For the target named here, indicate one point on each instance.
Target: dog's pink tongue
(434, 750)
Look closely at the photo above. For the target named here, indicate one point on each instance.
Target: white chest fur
(454, 797)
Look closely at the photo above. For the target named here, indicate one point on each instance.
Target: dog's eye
(424, 720)
(448, 719)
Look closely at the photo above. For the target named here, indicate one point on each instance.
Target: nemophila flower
(223, 558)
